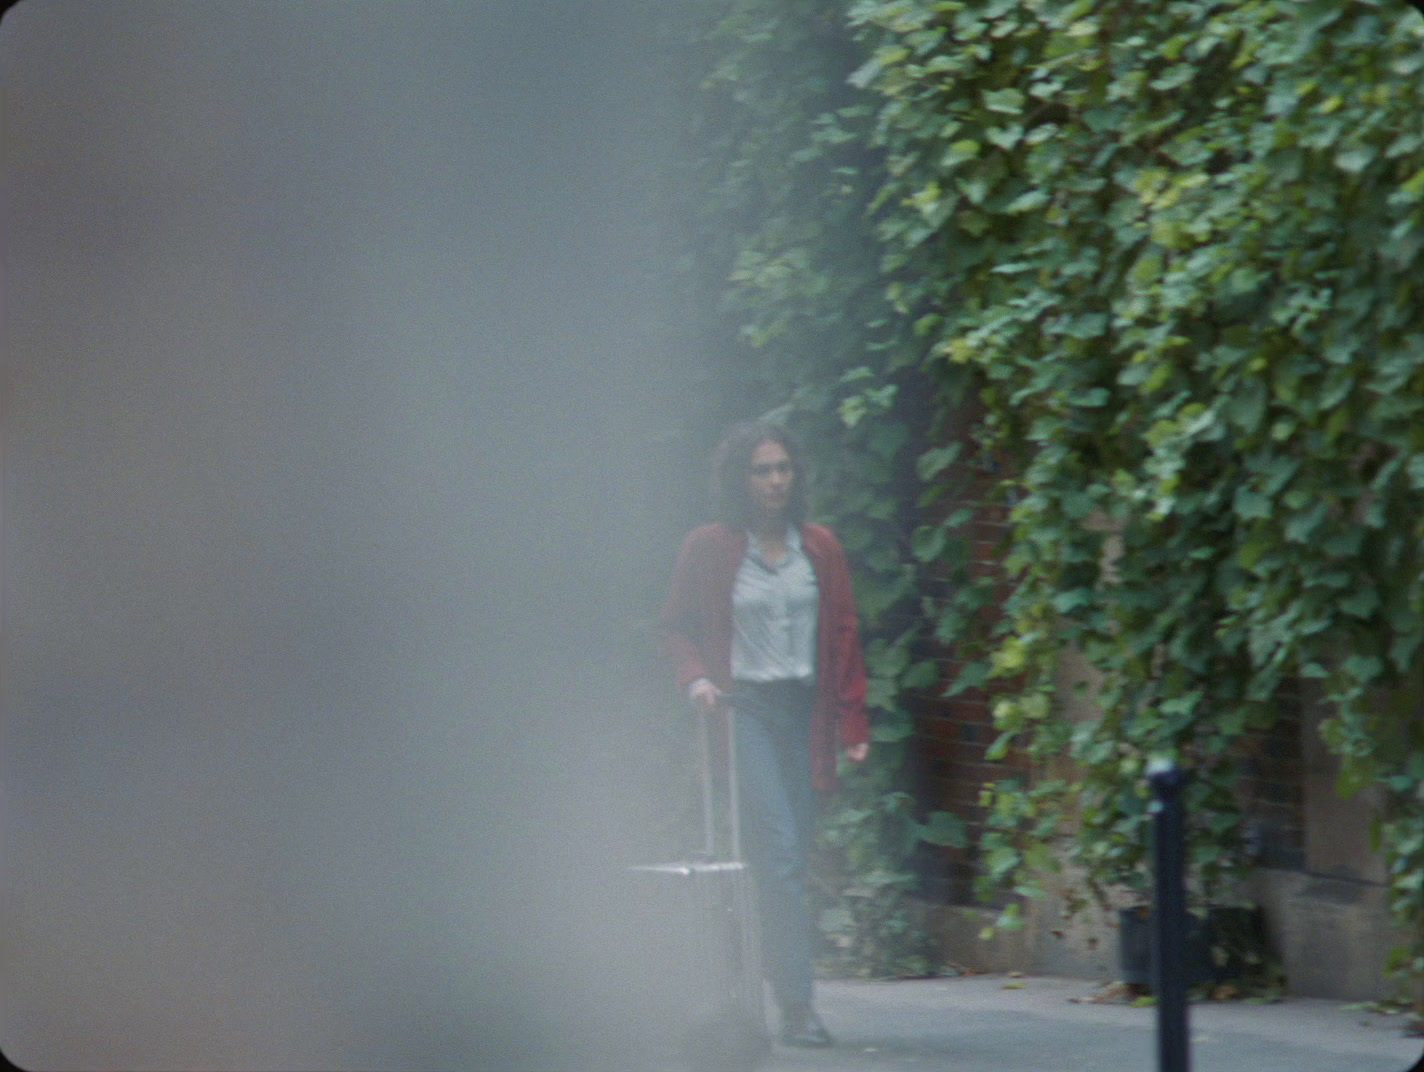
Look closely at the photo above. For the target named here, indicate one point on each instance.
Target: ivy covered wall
(1171, 253)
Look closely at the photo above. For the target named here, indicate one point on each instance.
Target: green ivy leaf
(922, 675)
(944, 828)
(933, 462)
(928, 542)
(1251, 505)
(1004, 101)
(1027, 202)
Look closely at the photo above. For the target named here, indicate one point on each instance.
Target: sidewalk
(994, 1023)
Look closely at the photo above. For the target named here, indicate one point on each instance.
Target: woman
(761, 613)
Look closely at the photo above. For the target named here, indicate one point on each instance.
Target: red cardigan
(696, 631)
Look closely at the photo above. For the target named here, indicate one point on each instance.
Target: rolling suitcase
(704, 934)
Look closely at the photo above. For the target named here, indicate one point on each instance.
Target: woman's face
(769, 479)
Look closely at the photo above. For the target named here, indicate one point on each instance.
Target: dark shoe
(801, 1026)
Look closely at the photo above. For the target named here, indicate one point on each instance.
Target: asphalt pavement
(999, 1023)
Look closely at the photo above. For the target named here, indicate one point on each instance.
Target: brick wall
(955, 733)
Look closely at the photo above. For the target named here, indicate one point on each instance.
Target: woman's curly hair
(731, 465)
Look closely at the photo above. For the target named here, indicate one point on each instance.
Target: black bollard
(1169, 917)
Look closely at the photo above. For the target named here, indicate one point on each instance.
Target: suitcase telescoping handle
(734, 816)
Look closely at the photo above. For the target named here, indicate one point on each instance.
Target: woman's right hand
(704, 695)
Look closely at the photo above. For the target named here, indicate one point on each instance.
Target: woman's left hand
(856, 753)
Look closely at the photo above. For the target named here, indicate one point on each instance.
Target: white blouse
(774, 614)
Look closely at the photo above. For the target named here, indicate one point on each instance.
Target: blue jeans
(778, 807)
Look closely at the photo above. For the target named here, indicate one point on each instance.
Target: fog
(336, 339)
